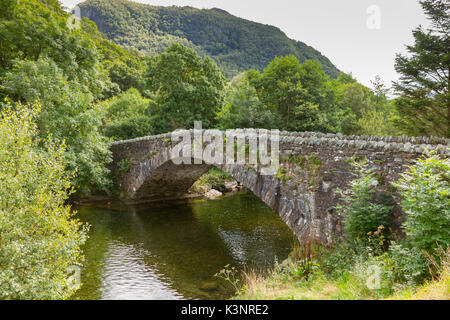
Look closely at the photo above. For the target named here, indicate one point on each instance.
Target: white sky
(337, 28)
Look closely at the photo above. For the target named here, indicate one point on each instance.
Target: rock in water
(213, 194)
(231, 186)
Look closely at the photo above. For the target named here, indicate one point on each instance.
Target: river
(172, 250)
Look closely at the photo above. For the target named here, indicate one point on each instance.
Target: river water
(172, 250)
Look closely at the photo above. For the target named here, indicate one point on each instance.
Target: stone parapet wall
(419, 145)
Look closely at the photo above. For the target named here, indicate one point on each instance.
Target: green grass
(285, 282)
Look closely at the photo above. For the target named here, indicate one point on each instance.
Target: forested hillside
(235, 44)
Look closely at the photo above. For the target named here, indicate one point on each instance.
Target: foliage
(243, 109)
(425, 190)
(214, 179)
(300, 95)
(39, 238)
(127, 116)
(68, 115)
(185, 88)
(30, 30)
(231, 276)
(235, 44)
(410, 265)
(424, 98)
(67, 70)
(361, 266)
(363, 212)
(369, 112)
(375, 123)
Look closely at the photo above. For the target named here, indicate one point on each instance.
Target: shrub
(39, 238)
(410, 265)
(425, 189)
(215, 179)
(363, 211)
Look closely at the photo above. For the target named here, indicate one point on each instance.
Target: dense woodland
(66, 93)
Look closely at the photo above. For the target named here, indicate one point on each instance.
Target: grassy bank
(281, 284)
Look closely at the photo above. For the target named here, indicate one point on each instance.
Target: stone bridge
(302, 192)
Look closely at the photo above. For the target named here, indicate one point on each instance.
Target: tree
(127, 116)
(40, 239)
(30, 30)
(68, 114)
(425, 189)
(281, 90)
(380, 91)
(423, 105)
(243, 109)
(357, 97)
(362, 210)
(185, 88)
(301, 95)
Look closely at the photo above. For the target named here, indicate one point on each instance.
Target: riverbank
(288, 282)
(277, 287)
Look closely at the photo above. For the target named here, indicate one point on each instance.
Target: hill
(235, 44)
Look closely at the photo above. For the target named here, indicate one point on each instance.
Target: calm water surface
(173, 250)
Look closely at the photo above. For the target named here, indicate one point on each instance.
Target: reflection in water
(173, 250)
(126, 276)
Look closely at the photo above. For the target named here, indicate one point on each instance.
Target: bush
(39, 238)
(410, 265)
(362, 209)
(215, 179)
(127, 116)
(425, 189)
(68, 114)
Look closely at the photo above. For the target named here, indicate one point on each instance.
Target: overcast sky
(348, 32)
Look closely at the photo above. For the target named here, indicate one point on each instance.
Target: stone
(231, 186)
(213, 194)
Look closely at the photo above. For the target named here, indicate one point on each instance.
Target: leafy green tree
(425, 189)
(369, 112)
(345, 78)
(380, 92)
(281, 90)
(243, 109)
(31, 30)
(357, 97)
(362, 210)
(424, 103)
(127, 116)
(40, 239)
(302, 95)
(69, 115)
(123, 68)
(185, 88)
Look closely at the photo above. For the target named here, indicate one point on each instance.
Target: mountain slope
(235, 44)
